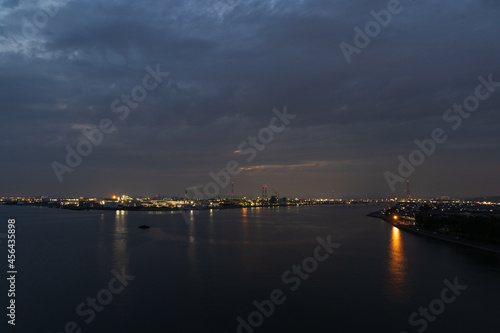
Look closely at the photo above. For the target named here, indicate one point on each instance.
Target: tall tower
(186, 197)
(408, 195)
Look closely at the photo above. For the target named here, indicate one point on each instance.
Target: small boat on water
(144, 226)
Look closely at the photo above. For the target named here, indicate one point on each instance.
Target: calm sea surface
(201, 273)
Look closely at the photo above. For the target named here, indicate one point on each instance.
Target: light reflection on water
(244, 222)
(161, 212)
(192, 247)
(120, 255)
(192, 228)
(397, 264)
(211, 230)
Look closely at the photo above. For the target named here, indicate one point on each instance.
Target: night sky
(67, 67)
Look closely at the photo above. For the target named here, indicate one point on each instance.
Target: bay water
(241, 270)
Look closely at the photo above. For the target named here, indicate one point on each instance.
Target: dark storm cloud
(230, 64)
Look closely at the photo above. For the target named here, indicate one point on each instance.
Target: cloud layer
(230, 63)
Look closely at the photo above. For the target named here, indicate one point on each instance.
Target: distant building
(110, 204)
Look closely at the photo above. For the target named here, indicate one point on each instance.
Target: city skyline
(307, 97)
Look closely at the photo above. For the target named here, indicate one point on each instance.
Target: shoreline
(198, 208)
(450, 239)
